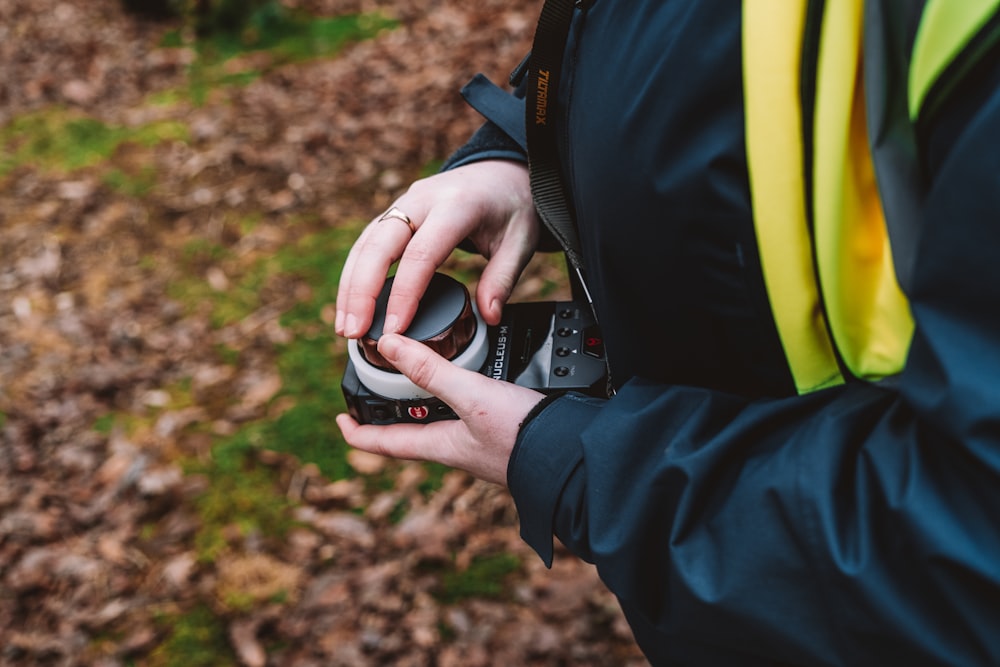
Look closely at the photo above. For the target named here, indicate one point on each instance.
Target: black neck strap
(547, 187)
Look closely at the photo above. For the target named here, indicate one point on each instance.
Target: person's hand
(490, 414)
(488, 202)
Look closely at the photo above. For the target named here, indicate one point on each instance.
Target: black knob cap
(444, 321)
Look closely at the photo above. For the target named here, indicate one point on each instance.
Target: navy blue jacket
(737, 522)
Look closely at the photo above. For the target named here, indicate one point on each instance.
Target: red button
(593, 345)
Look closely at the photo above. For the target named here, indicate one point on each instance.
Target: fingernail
(338, 321)
(388, 347)
(391, 324)
(351, 326)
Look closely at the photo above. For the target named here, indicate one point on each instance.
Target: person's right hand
(488, 202)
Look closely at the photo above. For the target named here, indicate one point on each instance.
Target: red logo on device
(418, 412)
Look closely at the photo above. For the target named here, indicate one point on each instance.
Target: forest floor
(174, 214)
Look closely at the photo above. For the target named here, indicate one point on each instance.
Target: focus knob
(445, 321)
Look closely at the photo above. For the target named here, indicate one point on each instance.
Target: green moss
(149, 262)
(154, 133)
(165, 98)
(178, 396)
(59, 140)
(104, 424)
(399, 511)
(239, 601)
(447, 632)
(286, 36)
(485, 577)
(434, 479)
(318, 260)
(238, 304)
(199, 251)
(172, 39)
(228, 306)
(148, 531)
(311, 373)
(250, 222)
(300, 39)
(196, 638)
(311, 364)
(557, 261)
(291, 36)
(228, 355)
(138, 184)
(240, 493)
(239, 79)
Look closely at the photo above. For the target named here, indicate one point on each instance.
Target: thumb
(426, 368)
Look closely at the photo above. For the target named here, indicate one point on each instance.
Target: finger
(415, 442)
(500, 275)
(368, 262)
(424, 254)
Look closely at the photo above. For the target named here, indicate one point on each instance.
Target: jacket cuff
(545, 455)
(488, 143)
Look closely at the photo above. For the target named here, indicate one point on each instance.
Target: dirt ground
(116, 392)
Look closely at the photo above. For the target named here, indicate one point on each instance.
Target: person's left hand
(490, 414)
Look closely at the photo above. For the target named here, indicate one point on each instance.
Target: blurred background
(180, 181)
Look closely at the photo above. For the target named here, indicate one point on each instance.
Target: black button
(561, 371)
(563, 351)
(565, 332)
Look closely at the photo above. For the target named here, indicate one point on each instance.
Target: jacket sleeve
(858, 525)
(488, 143)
